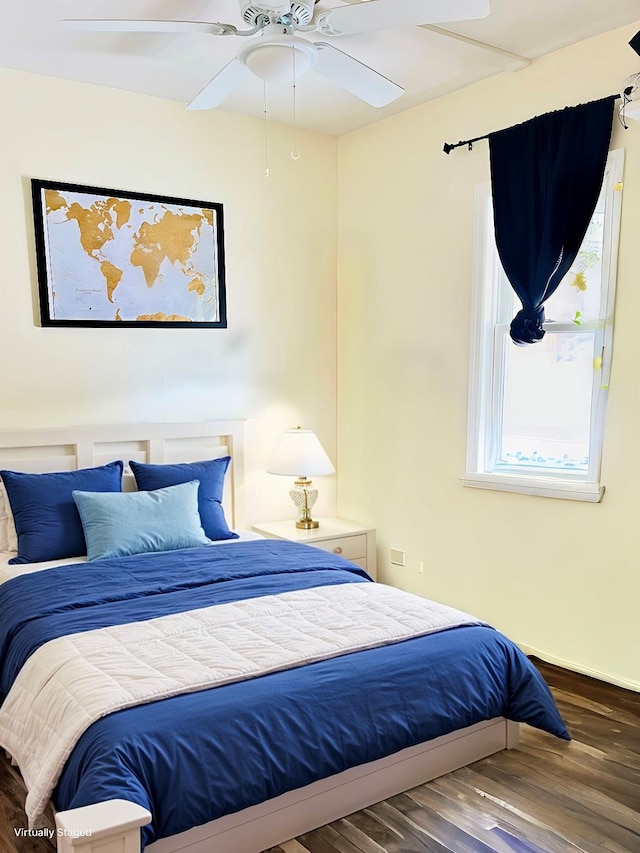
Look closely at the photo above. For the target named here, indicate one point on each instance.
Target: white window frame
(486, 368)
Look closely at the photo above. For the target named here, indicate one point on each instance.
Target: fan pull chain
(295, 154)
(266, 134)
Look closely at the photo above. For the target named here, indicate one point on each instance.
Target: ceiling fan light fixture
(273, 60)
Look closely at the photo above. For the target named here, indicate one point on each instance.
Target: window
(536, 413)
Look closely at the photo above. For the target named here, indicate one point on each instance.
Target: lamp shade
(299, 452)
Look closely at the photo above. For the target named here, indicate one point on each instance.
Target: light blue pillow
(46, 518)
(117, 525)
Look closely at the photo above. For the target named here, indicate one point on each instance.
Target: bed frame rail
(113, 827)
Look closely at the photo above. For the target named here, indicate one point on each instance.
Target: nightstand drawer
(349, 547)
(352, 541)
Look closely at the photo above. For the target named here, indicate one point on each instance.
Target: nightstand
(352, 541)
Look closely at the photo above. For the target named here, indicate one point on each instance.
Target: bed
(276, 740)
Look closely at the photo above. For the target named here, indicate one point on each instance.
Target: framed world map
(115, 258)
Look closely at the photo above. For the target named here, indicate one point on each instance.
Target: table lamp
(298, 454)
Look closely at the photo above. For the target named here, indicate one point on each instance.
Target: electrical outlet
(397, 557)
(420, 567)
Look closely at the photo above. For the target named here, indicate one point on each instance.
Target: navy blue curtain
(546, 176)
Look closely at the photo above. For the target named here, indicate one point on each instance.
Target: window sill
(546, 487)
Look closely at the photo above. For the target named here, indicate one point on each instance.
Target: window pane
(578, 297)
(579, 293)
(547, 403)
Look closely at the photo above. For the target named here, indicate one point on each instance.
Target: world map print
(113, 259)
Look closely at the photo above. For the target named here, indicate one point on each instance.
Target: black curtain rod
(449, 146)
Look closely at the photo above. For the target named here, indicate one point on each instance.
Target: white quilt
(71, 682)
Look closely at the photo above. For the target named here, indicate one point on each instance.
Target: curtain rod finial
(448, 148)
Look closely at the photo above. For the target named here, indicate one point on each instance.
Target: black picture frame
(153, 261)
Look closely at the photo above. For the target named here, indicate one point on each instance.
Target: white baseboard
(583, 670)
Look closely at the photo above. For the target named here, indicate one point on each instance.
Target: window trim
(483, 385)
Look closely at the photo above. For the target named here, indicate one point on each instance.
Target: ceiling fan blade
(355, 77)
(130, 26)
(385, 14)
(220, 86)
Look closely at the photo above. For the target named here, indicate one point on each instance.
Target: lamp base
(304, 497)
(309, 524)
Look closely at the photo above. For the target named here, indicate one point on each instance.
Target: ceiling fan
(275, 51)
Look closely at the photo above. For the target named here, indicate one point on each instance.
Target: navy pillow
(46, 517)
(210, 473)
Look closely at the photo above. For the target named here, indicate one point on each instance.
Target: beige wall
(560, 577)
(274, 365)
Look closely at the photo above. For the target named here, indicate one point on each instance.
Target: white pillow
(4, 541)
(8, 536)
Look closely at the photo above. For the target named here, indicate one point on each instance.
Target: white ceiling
(425, 63)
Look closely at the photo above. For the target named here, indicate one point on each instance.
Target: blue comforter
(190, 759)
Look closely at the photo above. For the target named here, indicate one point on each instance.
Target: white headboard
(67, 448)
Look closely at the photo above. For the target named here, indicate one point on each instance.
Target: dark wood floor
(546, 796)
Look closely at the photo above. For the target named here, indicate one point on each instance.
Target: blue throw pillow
(117, 525)
(46, 518)
(210, 473)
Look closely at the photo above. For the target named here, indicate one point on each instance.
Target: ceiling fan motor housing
(300, 11)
